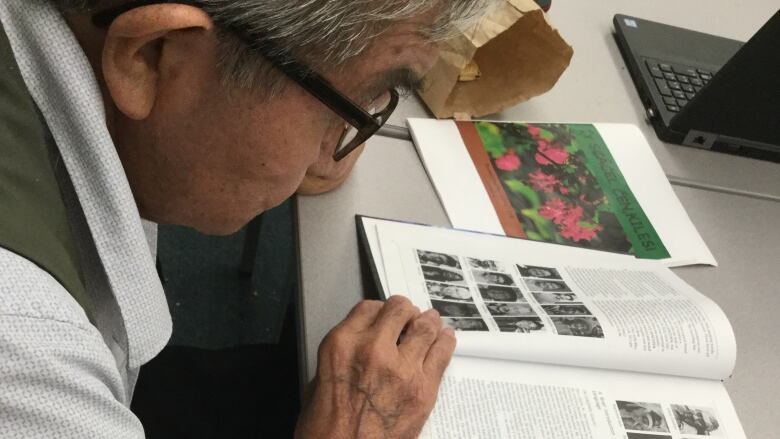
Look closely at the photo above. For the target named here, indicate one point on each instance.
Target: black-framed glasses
(360, 124)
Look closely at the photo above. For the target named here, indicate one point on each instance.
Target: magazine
(557, 341)
(596, 186)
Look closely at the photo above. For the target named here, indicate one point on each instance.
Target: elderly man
(200, 113)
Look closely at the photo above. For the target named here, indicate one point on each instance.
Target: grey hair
(323, 33)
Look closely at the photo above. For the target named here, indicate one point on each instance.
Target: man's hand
(327, 174)
(378, 373)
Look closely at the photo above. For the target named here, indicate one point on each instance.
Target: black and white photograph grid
(492, 278)
(539, 272)
(695, 420)
(642, 416)
(523, 325)
(455, 309)
(578, 326)
(437, 259)
(445, 291)
(498, 293)
(486, 264)
(555, 298)
(465, 323)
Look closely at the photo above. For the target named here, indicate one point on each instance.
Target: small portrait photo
(523, 325)
(540, 272)
(700, 421)
(642, 416)
(547, 285)
(441, 274)
(578, 326)
(438, 259)
(485, 264)
(510, 309)
(566, 298)
(566, 310)
(455, 309)
(449, 292)
(634, 435)
(465, 324)
(495, 293)
(490, 277)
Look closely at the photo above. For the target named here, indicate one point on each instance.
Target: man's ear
(133, 48)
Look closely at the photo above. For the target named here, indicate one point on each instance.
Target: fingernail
(431, 312)
(448, 330)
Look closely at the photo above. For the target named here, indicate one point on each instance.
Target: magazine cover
(559, 183)
(595, 186)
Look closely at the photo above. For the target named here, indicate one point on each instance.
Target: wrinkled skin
(370, 386)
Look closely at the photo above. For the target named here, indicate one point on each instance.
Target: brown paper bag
(510, 56)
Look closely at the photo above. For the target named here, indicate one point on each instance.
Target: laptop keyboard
(677, 83)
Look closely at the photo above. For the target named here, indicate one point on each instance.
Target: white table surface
(389, 181)
(598, 88)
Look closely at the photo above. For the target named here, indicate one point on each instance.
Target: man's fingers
(363, 314)
(393, 318)
(440, 353)
(420, 335)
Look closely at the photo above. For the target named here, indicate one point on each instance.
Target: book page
(482, 398)
(524, 300)
(595, 186)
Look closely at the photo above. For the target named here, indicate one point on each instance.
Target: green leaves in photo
(544, 227)
(491, 139)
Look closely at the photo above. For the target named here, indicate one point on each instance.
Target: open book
(560, 342)
(595, 186)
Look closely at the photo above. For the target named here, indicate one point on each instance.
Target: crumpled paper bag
(510, 56)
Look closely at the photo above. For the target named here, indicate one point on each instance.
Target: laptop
(706, 91)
